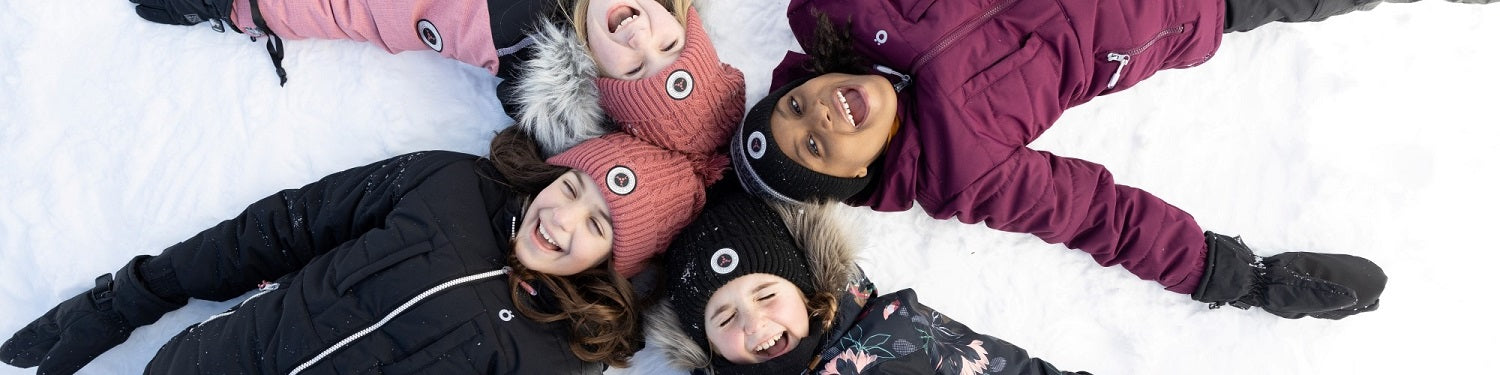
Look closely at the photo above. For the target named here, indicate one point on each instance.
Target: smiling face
(836, 124)
(755, 318)
(632, 39)
(566, 228)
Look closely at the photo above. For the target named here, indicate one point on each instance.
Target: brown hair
(823, 305)
(515, 153)
(597, 304)
(581, 8)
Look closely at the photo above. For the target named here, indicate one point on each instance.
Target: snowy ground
(1372, 134)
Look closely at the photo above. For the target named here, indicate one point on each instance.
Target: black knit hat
(767, 172)
(736, 235)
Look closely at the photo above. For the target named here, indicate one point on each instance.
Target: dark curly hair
(833, 49)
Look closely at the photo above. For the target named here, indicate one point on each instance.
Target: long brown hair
(597, 305)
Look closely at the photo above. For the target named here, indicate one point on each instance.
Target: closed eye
(598, 228)
(669, 47)
(726, 320)
(637, 70)
(572, 193)
(767, 297)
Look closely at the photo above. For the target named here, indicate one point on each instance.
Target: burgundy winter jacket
(989, 76)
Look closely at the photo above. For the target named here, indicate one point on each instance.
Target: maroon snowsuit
(986, 77)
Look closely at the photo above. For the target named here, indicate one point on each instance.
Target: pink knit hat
(690, 106)
(652, 192)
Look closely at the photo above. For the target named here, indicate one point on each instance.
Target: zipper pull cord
(905, 79)
(1124, 60)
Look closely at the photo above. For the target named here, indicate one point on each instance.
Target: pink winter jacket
(457, 29)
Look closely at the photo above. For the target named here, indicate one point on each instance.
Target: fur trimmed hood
(555, 91)
(830, 254)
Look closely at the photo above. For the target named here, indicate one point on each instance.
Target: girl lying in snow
(756, 289)
(934, 103)
(643, 63)
(432, 262)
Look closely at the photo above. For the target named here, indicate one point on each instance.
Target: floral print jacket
(896, 334)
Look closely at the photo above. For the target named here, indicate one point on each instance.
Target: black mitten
(70, 335)
(1290, 285)
(182, 12)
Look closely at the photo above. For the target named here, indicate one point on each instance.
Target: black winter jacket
(397, 267)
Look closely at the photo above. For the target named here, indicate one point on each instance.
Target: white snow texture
(1373, 134)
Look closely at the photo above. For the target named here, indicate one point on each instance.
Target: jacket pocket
(913, 10)
(446, 355)
(1125, 67)
(368, 261)
(1015, 98)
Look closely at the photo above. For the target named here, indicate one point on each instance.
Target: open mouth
(621, 16)
(855, 109)
(546, 243)
(774, 347)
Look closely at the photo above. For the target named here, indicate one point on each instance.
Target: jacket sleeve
(457, 29)
(960, 350)
(1077, 203)
(896, 334)
(281, 233)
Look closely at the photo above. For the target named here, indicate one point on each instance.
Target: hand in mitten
(70, 335)
(1290, 285)
(182, 12)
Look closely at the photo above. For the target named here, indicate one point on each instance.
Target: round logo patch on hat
(755, 145)
(429, 34)
(621, 180)
(679, 84)
(725, 260)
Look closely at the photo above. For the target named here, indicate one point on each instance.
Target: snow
(1371, 134)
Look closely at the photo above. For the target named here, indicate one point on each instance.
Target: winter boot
(1290, 285)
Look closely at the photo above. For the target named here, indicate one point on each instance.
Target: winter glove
(70, 335)
(1290, 285)
(182, 12)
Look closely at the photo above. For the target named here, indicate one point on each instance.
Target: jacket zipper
(963, 30)
(391, 315)
(1124, 57)
(264, 288)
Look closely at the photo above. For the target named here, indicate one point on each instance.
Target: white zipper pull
(905, 79)
(1124, 60)
(266, 286)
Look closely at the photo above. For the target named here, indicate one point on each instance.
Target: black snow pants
(1244, 15)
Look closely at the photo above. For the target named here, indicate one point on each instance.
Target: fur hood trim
(556, 92)
(830, 255)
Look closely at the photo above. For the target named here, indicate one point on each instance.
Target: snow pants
(1245, 15)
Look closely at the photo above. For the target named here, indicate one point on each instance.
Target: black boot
(1290, 285)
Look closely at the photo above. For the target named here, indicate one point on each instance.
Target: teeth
(768, 343)
(625, 21)
(848, 114)
(546, 236)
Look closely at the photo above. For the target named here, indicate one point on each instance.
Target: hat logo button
(621, 180)
(757, 141)
(725, 260)
(679, 84)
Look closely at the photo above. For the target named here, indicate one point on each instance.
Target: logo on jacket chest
(881, 37)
